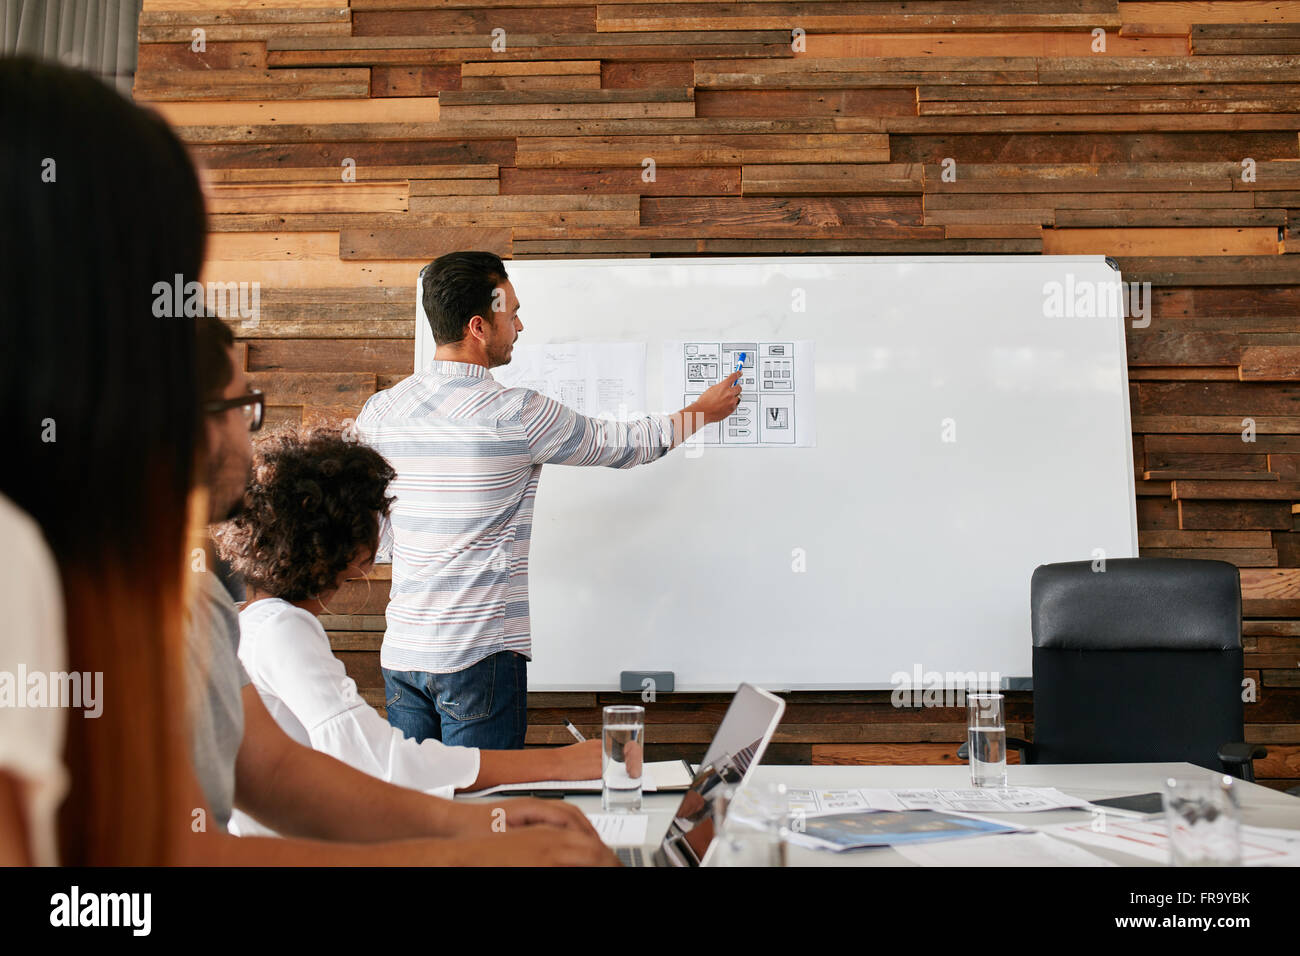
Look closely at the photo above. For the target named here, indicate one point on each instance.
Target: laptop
(737, 747)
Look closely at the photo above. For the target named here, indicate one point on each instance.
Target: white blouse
(32, 642)
(307, 690)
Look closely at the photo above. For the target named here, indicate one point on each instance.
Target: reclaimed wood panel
(183, 58)
(700, 150)
(322, 355)
(993, 43)
(822, 179)
(307, 197)
(328, 174)
(526, 75)
(669, 181)
(832, 103)
(301, 112)
(311, 273)
(1271, 363)
(243, 32)
(414, 80)
(459, 48)
(421, 243)
(472, 105)
(846, 15)
(1242, 241)
(583, 210)
(244, 84)
(524, 18)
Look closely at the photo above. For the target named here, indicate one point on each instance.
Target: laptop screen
(738, 745)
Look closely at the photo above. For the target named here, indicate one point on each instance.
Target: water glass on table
(987, 740)
(753, 825)
(621, 758)
(1204, 821)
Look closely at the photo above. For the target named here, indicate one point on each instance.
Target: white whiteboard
(917, 551)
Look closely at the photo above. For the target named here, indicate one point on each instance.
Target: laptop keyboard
(630, 855)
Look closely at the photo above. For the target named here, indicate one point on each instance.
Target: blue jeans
(485, 705)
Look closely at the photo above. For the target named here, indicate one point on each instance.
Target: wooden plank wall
(782, 128)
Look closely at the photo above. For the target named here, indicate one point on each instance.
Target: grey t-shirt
(215, 679)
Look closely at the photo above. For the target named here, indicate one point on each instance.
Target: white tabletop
(1260, 806)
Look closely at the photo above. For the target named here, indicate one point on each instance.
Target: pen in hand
(575, 731)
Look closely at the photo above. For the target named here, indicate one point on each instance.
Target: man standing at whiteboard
(468, 454)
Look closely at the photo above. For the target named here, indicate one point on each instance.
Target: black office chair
(1139, 663)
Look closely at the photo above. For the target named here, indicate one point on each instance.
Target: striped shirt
(468, 453)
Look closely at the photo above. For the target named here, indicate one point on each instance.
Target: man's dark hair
(312, 504)
(212, 343)
(455, 288)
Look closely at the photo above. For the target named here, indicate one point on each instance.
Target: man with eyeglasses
(252, 405)
(231, 456)
(243, 758)
(237, 410)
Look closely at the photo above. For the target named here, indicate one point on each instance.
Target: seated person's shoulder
(30, 592)
(25, 545)
(274, 634)
(275, 618)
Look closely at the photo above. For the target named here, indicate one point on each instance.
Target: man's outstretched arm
(300, 792)
(714, 405)
(559, 435)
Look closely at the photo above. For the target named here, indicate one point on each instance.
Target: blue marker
(740, 362)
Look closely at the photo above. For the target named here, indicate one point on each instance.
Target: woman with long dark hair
(99, 409)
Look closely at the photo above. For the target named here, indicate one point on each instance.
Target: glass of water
(1204, 820)
(753, 825)
(621, 758)
(986, 732)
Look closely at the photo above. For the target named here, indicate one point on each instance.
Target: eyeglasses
(253, 406)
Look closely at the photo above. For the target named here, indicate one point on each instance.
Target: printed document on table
(776, 407)
(596, 379)
(973, 800)
(620, 829)
(826, 801)
(1149, 840)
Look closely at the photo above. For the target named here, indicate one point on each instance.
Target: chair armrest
(1236, 759)
(1022, 747)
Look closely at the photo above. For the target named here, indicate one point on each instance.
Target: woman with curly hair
(310, 522)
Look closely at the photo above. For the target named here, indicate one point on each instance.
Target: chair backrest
(1141, 662)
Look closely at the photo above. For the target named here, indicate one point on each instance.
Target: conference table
(1260, 806)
